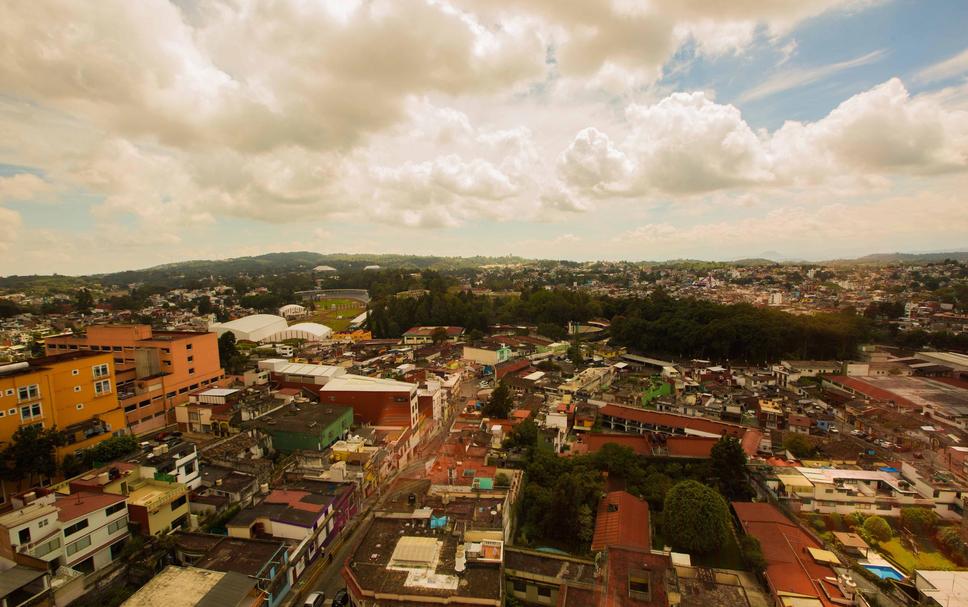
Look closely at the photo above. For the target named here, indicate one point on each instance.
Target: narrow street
(325, 575)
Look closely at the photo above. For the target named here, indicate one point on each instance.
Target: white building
(255, 328)
(291, 311)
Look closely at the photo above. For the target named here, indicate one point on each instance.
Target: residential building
(23, 584)
(94, 528)
(304, 426)
(266, 562)
(376, 401)
(403, 561)
(74, 391)
(194, 587)
(798, 569)
(156, 503)
(623, 520)
(155, 369)
(487, 354)
(425, 335)
(172, 460)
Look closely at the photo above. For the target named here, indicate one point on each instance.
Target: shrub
(878, 528)
(818, 523)
(856, 519)
(752, 553)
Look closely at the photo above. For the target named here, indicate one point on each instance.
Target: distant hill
(911, 257)
(257, 265)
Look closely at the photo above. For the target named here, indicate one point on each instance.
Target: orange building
(74, 391)
(155, 369)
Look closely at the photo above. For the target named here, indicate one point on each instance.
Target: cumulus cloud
(251, 75)
(687, 144)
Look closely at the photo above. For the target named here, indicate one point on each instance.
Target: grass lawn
(336, 313)
(928, 557)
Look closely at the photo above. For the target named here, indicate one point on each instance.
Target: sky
(139, 133)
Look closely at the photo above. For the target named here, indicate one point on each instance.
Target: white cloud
(944, 70)
(10, 224)
(687, 144)
(794, 78)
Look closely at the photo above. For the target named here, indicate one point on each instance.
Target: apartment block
(156, 503)
(83, 531)
(74, 391)
(155, 369)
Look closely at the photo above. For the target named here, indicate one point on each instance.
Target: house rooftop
(82, 503)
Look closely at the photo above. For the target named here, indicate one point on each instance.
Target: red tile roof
(639, 443)
(623, 520)
(790, 568)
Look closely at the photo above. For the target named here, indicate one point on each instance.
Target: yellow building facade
(74, 392)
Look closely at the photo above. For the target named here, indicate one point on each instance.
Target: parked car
(315, 599)
(341, 599)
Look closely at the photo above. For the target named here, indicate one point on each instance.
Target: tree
(586, 524)
(204, 304)
(32, 454)
(575, 355)
(696, 518)
(438, 335)
(919, 520)
(799, 445)
(500, 403)
(552, 331)
(728, 464)
(878, 528)
(228, 353)
(752, 553)
(83, 301)
(524, 435)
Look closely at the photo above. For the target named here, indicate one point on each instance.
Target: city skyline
(140, 134)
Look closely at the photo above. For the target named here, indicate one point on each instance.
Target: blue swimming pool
(885, 572)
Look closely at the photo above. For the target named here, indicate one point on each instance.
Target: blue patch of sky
(913, 34)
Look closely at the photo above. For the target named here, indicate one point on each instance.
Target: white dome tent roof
(255, 327)
(310, 331)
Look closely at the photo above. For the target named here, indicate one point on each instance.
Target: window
(544, 591)
(188, 346)
(115, 526)
(130, 408)
(75, 371)
(9, 391)
(191, 371)
(191, 359)
(2, 412)
(189, 468)
(28, 392)
(43, 523)
(101, 370)
(114, 508)
(102, 387)
(117, 348)
(639, 586)
(77, 388)
(46, 548)
(72, 529)
(28, 412)
(79, 545)
(178, 503)
(79, 406)
(11, 412)
(24, 535)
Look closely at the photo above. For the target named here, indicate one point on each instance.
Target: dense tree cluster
(696, 328)
(550, 508)
(549, 309)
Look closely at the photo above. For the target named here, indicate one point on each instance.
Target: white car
(315, 599)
